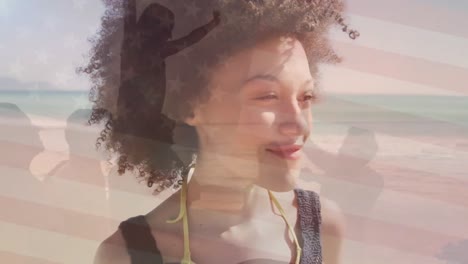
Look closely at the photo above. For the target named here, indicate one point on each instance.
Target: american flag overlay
(389, 142)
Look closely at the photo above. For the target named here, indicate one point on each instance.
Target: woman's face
(260, 98)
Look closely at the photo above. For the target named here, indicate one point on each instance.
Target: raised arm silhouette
(142, 89)
(146, 44)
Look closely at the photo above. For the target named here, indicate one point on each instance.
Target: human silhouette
(84, 163)
(455, 253)
(349, 166)
(347, 178)
(20, 141)
(146, 44)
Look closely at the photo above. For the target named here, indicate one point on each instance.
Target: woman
(241, 99)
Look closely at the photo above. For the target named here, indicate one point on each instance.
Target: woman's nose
(294, 121)
(294, 128)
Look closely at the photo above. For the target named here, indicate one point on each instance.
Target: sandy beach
(65, 196)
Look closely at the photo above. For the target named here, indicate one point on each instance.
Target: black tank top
(143, 249)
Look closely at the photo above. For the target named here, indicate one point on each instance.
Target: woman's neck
(226, 193)
(218, 198)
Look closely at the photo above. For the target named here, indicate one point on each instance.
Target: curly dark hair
(126, 66)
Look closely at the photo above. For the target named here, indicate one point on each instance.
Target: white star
(16, 69)
(62, 78)
(259, 56)
(184, 54)
(167, 123)
(79, 4)
(33, 97)
(202, 70)
(136, 42)
(23, 33)
(154, 98)
(80, 102)
(223, 60)
(287, 44)
(166, 20)
(4, 8)
(308, 26)
(92, 29)
(191, 9)
(213, 129)
(42, 57)
(214, 33)
(156, 60)
(216, 128)
(128, 73)
(218, 94)
(50, 23)
(231, 21)
(70, 41)
(175, 85)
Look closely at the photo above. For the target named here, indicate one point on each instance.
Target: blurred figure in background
(347, 179)
(19, 139)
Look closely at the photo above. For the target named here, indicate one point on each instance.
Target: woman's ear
(190, 120)
(194, 118)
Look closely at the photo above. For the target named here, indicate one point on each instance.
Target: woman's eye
(310, 97)
(268, 97)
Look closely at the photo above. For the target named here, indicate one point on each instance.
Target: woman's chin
(278, 182)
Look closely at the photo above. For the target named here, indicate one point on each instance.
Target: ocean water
(56, 105)
(402, 110)
(397, 115)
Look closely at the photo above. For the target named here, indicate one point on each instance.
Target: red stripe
(393, 65)
(58, 220)
(97, 228)
(415, 14)
(445, 188)
(12, 258)
(409, 239)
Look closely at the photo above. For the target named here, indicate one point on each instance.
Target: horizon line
(325, 93)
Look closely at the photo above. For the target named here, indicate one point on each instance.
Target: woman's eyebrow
(266, 77)
(271, 78)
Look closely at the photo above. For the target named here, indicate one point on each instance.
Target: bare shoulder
(112, 250)
(333, 220)
(332, 231)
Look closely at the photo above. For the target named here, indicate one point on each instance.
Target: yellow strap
(183, 215)
(291, 230)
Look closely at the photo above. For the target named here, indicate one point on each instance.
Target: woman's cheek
(256, 125)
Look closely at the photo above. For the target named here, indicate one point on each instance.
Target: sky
(405, 47)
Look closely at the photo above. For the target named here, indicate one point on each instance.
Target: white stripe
(397, 208)
(46, 245)
(407, 40)
(354, 252)
(86, 199)
(402, 152)
(60, 248)
(75, 196)
(421, 213)
(338, 79)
